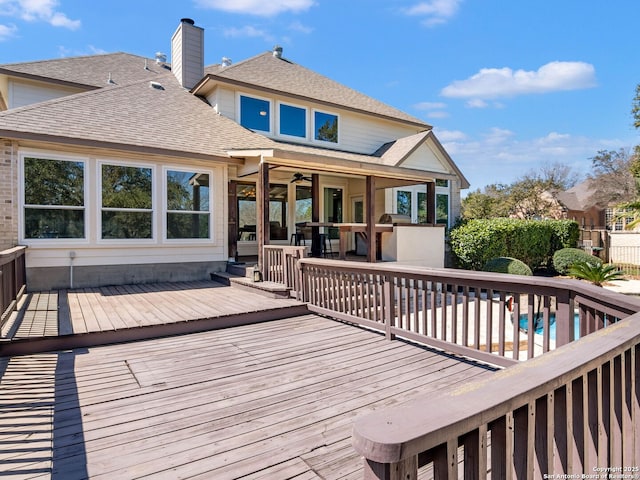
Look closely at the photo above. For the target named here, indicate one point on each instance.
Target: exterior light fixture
(257, 274)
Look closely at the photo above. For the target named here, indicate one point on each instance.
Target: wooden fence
(12, 280)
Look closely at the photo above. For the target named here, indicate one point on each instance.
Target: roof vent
(110, 80)
(161, 58)
(226, 62)
(146, 64)
(156, 85)
(277, 51)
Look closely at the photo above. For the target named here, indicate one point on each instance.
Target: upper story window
(293, 121)
(54, 198)
(325, 127)
(127, 202)
(188, 205)
(255, 113)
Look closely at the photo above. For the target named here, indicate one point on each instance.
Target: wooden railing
(571, 413)
(280, 265)
(491, 317)
(12, 280)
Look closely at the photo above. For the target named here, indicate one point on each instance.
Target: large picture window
(54, 204)
(188, 208)
(127, 202)
(326, 127)
(255, 113)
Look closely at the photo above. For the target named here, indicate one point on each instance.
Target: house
(580, 205)
(120, 169)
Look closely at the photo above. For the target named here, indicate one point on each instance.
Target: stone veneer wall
(8, 194)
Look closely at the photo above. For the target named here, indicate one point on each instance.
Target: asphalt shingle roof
(167, 119)
(283, 76)
(90, 71)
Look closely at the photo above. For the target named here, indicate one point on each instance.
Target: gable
(427, 158)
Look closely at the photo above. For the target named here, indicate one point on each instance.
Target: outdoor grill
(394, 218)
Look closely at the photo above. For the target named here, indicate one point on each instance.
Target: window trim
(280, 103)
(313, 127)
(46, 155)
(98, 209)
(165, 210)
(239, 96)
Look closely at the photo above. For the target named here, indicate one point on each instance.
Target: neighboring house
(119, 169)
(580, 205)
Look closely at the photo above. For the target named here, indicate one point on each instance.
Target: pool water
(538, 319)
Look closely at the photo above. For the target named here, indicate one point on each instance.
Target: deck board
(260, 401)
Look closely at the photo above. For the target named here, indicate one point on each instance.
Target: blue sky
(509, 86)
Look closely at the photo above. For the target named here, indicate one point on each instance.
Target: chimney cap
(187, 20)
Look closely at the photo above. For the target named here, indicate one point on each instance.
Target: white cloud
(257, 7)
(491, 83)
(38, 11)
(450, 135)
(7, 31)
(430, 106)
(500, 156)
(248, 31)
(301, 28)
(438, 114)
(436, 11)
(477, 103)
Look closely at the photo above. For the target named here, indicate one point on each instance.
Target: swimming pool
(523, 323)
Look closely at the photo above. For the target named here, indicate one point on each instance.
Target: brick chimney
(187, 53)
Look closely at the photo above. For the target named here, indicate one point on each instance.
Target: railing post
(404, 470)
(389, 306)
(564, 318)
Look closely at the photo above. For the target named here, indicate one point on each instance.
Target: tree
(532, 196)
(612, 172)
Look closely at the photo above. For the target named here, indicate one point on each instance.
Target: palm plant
(596, 273)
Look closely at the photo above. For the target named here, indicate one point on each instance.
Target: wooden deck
(92, 316)
(273, 400)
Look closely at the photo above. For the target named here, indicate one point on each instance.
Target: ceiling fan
(299, 178)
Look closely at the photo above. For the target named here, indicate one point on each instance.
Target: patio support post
(370, 203)
(262, 214)
(316, 248)
(233, 219)
(431, 202)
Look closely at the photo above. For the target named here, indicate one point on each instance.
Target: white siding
(23, 93)
(426, 158)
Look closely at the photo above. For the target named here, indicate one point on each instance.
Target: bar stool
(325, 243)
(297, 239)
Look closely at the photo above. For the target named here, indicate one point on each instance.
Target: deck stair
(241, 275)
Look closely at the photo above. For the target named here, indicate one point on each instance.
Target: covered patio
(338, 196)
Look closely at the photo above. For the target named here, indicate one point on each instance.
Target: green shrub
(564, 258)
(507, 265)
(475, 242)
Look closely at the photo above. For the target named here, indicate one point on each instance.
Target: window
(442, 183)
(422, 207)
(188, 208)
(326, 127)
(403, 203)
(255, 113)
(127, 207)
(293, 121)
(246, 194)
(278, 202)
(54, 205)
(442, 208)
(333, 209)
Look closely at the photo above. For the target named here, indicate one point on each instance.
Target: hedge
(475, 242)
